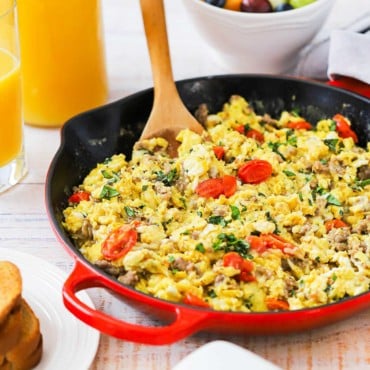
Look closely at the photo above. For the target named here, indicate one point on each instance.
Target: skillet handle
(186, 322)
(351, 84)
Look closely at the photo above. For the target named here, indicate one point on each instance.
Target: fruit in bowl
(259, 6)
(252, 42)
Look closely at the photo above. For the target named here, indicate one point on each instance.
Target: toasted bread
(30, 337)
(10, 288)
(6, 365)
(20, 336)
(25, 363)
(10, 331)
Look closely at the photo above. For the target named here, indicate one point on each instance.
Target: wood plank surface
(24, 224)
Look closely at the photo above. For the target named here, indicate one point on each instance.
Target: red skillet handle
(187, 321)
(351, 84)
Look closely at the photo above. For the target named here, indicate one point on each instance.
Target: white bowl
(221, 355)
(258, 42)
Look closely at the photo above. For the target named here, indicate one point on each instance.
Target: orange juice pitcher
(62, 59)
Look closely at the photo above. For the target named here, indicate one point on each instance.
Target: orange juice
(63, 61)
(10, 107)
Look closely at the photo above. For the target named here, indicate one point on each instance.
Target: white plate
(221, 355)
(66, 340)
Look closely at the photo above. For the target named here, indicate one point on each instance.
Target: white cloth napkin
(349, 55)
(342, 48)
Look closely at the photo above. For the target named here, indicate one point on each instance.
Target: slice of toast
(10, 331)
(6, 366)
(10, 288)
(25, 363)
(30, 336)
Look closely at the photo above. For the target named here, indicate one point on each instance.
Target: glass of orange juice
(12, 158)
(63, 59)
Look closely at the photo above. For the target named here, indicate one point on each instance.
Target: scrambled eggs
(256, 214)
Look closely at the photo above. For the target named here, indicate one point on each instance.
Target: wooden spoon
(169, 114)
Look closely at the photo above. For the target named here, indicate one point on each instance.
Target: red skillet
(92, 136)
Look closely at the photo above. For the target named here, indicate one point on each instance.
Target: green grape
(276, 3)
(300, 3)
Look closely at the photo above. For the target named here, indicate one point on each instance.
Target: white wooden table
(24, 225)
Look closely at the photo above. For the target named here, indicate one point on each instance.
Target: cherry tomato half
(194, 300)
(236, 261)
(233, 259)
(219, 151)
(251, 133)
(256, 135)
(265, 241)
(276, 241)
(257, 243)
(255, 171)
(119, 242)
(299, 125)
(343, 128)
(213, 188)
(78, 196)
(334, 224)
(240, 129)
(229, 185)
(277, 304)
(247, 275)
(210, 188)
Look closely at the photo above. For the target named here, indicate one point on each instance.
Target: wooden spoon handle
(156, 35)
(169, 115)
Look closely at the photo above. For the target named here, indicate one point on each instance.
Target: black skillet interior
(92, 136)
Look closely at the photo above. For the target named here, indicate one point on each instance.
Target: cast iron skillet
(95, 135)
